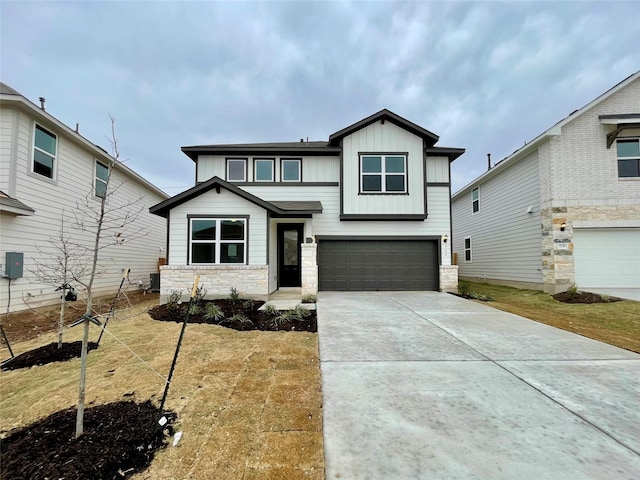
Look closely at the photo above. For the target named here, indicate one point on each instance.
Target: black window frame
(282, 162)
(468, 250)
(633, 161)
(218, 241)
(236, 159)
(475, 202)
(273, 168)
(383, 174)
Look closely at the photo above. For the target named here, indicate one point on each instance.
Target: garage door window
(217, 240)
(628, 158)
(383, 173)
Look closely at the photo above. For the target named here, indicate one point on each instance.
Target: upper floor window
(467, 249)
(45, 146)
(217, 240)
(263, 169)
(628, 157)
(383, 173)
(237, 169)
(290, 170)
(475, 200)
(102, 177)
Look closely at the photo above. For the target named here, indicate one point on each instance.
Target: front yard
(615, 323)
(248, 403)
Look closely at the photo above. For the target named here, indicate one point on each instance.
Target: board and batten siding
(328, 222)
(505, 239)
(56, 199)
(314, 168)
(218, 205)
(382, 138)
(437, 169)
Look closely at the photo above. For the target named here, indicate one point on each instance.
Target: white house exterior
(367, 210)
(562, 210)
(45, 169)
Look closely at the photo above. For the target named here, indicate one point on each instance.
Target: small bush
(234, 296)
(213, 312)
(249, 304)
(572, 291)
(199, 294)
(605, 298)
(194, 309)
(464, 288)
(299, 313)
(241, 318)
(310, 298)
(271, 310)
(481, 297)
(281, 318)
(173, 301)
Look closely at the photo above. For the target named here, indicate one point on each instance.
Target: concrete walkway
(426, 385)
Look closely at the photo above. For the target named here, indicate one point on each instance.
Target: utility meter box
(13, 265)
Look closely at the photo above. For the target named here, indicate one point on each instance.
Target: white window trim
(623, 139)
(54, 173)
(97, 179)
(218, 241)
(475, 212)
(283, 161)
(383, 174)
(244, 171)
(255, 170)
(470, 250)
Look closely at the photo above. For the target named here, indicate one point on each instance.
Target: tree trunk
(61, 322)
(83, 380)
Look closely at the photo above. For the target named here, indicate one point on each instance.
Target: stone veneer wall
(309, 269)
(558, 269)
(448, 278)
(250, 280)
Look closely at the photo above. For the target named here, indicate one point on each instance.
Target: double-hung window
(217, 240)
(102, 177)
(467, 249)
(628, 157)
(475, 200)
(237, 169)
(290, 170)
(45, 146)
(263, 169)
(383, 173)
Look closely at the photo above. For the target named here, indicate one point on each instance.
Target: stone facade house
(562, 210)
(46, 169)
(366, 210)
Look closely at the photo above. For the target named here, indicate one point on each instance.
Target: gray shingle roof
(14, 205)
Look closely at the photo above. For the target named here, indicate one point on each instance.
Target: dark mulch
(257, 320)
(47, 354)
(584, 297)
(119, 440)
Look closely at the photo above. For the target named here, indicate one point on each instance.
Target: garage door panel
(378, 265)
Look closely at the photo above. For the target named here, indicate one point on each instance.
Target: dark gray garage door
(378, 265)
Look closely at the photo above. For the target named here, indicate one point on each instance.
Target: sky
(484, 76)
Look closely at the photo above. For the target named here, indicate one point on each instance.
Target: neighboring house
(45, 168)
(562, 210)
(367, 210)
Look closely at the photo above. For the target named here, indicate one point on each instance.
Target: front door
(289, 240)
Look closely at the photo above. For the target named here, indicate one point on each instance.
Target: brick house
(562, 210)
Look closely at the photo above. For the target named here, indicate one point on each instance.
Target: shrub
(572, 291)
(299, 313)
(241, 318)
(310, 298)
(605, 298)
(234, 295)
(249, 304)
(271, 310)
(173, 301)
(464, 288)
(200, 293)
(213, 312)
(481, 297)
(194, 309)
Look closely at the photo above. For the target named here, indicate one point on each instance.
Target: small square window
(290, 171)
(263, 170)
(237, 169)
(383, 173)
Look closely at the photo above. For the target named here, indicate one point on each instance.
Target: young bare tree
(110, 222)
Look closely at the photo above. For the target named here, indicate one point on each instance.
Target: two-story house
(565, 208)
(46, 170)
(366, 210)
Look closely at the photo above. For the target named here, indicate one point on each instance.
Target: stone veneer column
(309, 269)
(448, 278)
(557, 250)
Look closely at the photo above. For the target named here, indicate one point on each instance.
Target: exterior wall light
(563, 226)
(445, 237)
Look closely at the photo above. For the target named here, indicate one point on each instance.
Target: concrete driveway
(426, 385)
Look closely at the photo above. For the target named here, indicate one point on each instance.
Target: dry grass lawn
(616, 323)
(249, 403)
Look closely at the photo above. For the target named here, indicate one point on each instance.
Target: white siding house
(367, 210)
(46, 169)
(565, 208)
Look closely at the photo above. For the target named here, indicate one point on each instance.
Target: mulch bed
(47, 354)
(119, 440)
(257, 320)
(584, 297)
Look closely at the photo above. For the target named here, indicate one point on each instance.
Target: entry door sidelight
(289, 258)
